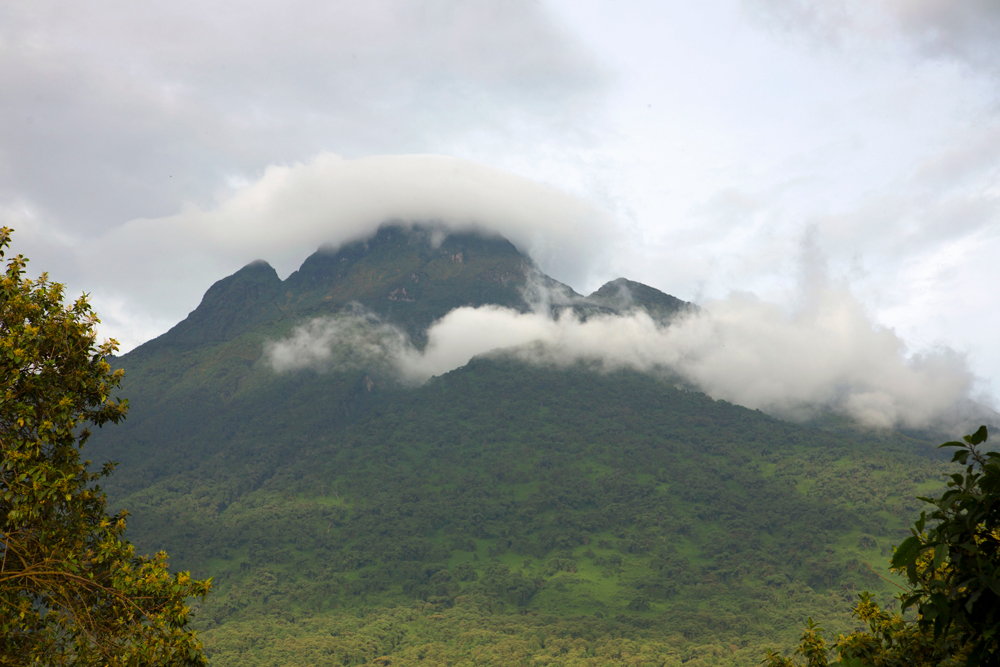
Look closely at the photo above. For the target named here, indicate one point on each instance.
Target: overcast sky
(149, 149)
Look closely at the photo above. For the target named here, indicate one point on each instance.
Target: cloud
(115, 116)
(114, 111)
(968, 30)
(826, 356)
(164, 265)
(353, 340)
(332, 200)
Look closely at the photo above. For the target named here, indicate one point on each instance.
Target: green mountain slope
(500, 514)
(181, 383)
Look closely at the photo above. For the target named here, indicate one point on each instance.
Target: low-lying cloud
(826, 356)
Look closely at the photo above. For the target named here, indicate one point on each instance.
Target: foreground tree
(72, 590)
(953, 568)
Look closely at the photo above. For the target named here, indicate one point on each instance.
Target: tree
(953, 568)
(72, 589)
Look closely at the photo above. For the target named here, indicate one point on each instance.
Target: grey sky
(703, 143)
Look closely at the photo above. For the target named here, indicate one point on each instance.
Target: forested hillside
(503, 513)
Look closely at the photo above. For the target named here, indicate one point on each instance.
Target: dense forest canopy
(504, 512)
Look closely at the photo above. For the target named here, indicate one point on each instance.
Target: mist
(826, 356)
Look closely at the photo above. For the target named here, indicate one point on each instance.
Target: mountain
(400, 274)
(502, 513)
(405, 275)
(409, 277)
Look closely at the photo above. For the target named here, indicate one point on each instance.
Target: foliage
(501, 514)
(659, 509)
(952, 567)
(893, 640)
(72, 591)
(812, 647)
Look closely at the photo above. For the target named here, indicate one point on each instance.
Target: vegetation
(513, 501)
(952, 568)
(72, 590)
(502, 514)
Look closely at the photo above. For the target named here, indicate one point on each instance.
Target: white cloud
(828, 355)
(115, 111)
(353, 340)
(163, 265)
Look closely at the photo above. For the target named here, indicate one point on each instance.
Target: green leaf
(849, 662)
(906, 552)
(940, 553)
(979, 436)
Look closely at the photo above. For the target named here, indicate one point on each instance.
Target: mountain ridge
(406, 276)
(349, 518)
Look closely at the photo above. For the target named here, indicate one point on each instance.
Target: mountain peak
(408, 275)
(622, 294)
(420, 248)
(411, 276)
(230, 306)
(257, 265)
